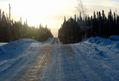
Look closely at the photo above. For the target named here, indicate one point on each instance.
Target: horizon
(52, 12)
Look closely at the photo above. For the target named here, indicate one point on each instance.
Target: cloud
(98, 5)
(4, 0)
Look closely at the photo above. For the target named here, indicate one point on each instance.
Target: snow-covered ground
(28, 60)
(1, 44)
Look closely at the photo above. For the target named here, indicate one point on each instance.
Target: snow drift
(14, 48)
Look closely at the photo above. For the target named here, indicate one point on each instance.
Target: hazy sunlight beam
(52, 12)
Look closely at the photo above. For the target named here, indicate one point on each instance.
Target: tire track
(70, 64)
(54, 71)
(101, 67)
(34, 71)
(76, 67)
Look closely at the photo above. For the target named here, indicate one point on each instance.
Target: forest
(73, 30)
(13, 30)
(77, 29)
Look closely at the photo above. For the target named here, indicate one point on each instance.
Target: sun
(45, 12)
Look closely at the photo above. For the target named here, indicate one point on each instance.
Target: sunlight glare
(50, 12)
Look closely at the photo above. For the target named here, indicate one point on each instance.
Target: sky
(52, 12)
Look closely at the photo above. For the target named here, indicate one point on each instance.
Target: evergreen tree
(11, 30)
(97, 25)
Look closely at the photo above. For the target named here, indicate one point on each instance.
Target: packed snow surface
(96, 59)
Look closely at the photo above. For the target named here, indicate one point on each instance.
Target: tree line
(77, 29)
(13, 30)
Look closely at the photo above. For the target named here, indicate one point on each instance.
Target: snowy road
(56, 62)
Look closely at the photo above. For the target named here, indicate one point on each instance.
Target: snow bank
(102, 55)
(1, 44)
(14, 51)
(105, 42)
(114, 38)
(99, 40)
(14, 48)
